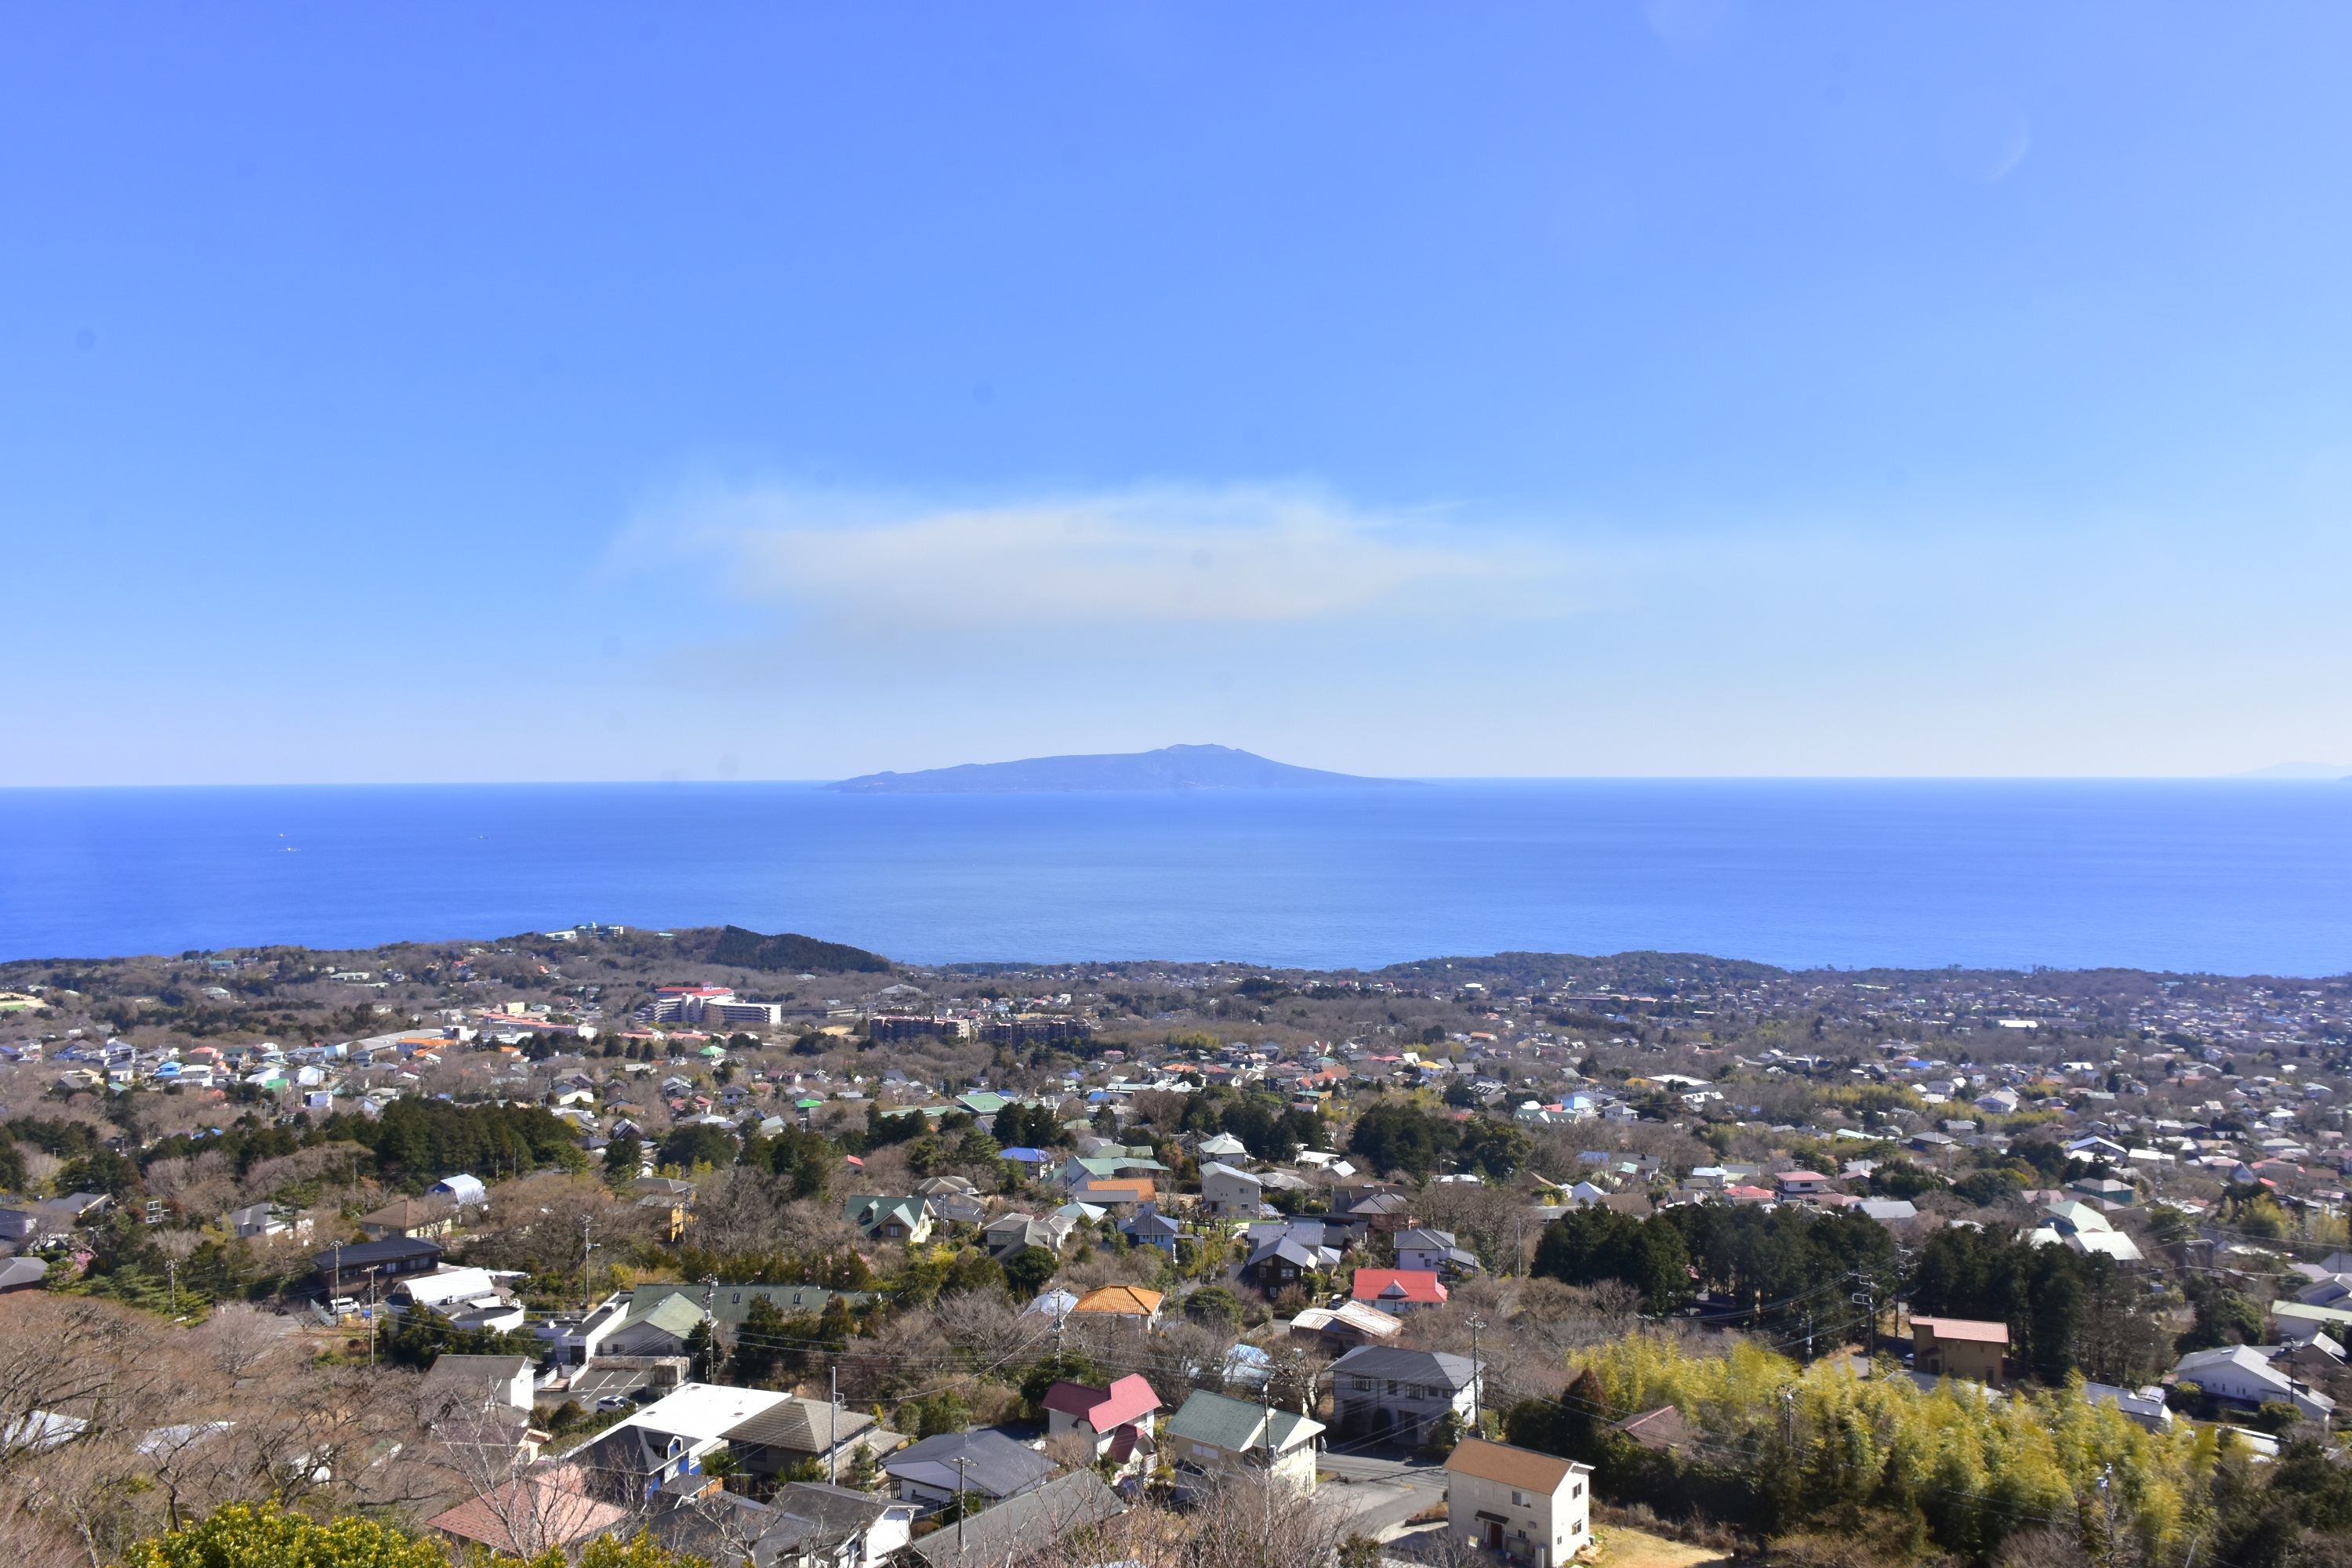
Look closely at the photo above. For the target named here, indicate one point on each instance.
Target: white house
(446, 1288)
(1212, 1435)
(1434, 1250)
(1526, 1506)
(1117, 1420)
(2143, 1406)
(2243, 1374)
(460, 1189)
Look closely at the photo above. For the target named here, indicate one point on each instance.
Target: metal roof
(1386, 1362)
(1239, 1426)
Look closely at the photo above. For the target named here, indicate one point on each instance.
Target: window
(1518, 1499)
(1577, 1491)
(1393, 1387)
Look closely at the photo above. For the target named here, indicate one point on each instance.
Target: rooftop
(1964, 1329)
(1521, 1468)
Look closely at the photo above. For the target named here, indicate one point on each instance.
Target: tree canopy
(1394, 1136)
(424, 1139)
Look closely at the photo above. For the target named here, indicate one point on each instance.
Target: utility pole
(587, 1289)
(831, 1418)
(959, 1462)
(1476, 1377)
(1788, 1415)
(171, 1268)
(1265, 1405)
(2106, 1516)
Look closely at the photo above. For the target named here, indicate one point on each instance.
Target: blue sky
(1689, 387)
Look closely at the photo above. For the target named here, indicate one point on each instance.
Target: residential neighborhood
(828, 1286)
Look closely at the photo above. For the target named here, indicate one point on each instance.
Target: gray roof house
(801, 1429)
(1379, 1390)
(1031, 1519)
(984, 1466)
(1010, 1234)
(1149, 1227)
(1280, 1262)
(470, 1379)
(1226, 1190)
(1436, 1251)
(806, 1525)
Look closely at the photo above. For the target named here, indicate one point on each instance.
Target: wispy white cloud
(1158, 557)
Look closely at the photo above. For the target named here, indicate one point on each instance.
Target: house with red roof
(1116, 1419)
(1399, 1290)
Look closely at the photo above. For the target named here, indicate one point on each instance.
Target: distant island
(1169, 768)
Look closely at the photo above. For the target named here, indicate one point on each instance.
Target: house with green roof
(659, 1327)
(889, 1218)
(1213, 1435)
(731, 1304)
(1075, 1171)
(984, 1101)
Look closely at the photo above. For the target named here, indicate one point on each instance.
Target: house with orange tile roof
(1122, 1301)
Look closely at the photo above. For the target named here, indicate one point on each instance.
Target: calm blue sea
(2231, 878)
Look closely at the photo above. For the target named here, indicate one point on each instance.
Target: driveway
(1377, 1494)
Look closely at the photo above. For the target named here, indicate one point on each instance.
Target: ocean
(2230, 877)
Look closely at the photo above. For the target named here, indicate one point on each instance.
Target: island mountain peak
(1169, 768)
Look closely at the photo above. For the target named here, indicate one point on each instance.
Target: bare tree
(739, 1209)
(989, 1329)
(1245, 1519)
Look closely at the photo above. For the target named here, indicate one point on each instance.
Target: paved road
(1380, 1494)
(1359, 1467)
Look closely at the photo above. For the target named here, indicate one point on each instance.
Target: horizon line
(2256, 776)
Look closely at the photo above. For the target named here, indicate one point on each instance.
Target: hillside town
(769, 1249)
